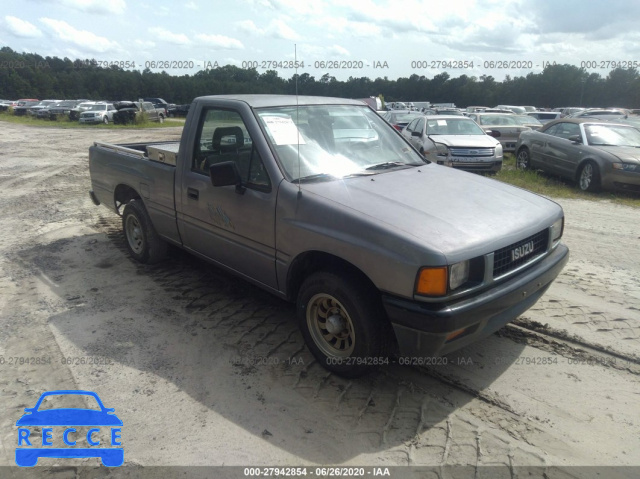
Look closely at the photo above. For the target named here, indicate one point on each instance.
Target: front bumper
(621, 180)
(422, 328)
(95, 119)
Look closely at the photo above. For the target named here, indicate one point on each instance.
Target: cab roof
(259, 101)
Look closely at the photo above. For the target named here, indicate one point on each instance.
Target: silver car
(594, 153)
(504, 127)
(454, 141)
(98, 113)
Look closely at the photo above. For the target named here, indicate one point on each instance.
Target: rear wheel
(342, 323)
(589, 177)
(161, 119)
(143, 241)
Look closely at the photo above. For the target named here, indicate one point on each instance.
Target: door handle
(193, 193)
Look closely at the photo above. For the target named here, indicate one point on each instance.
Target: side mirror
(226, 174)
(575, 139)
(416, 133)
(493, 133)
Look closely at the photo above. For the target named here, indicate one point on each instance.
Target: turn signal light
(432, 281)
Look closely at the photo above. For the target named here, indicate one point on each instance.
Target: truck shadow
(182, 327)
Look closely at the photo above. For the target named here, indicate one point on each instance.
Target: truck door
(232, 226)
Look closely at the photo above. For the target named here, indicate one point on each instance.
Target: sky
(356, 38)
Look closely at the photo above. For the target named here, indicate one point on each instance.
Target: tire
(161, 119)
(589, 177)
(354, 342)
(105, 120)
(142, 240)
(523, 159)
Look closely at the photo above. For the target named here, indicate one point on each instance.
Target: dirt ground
(204, 369)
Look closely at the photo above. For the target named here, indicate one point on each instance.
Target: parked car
(632, 120)
(475, 109)
(98, 113)
(527, 120)
(519, 110)
(400, 118)
(545, 116)
(44, 104)
(448, 111)
(498, 110)
(62, 109)
(594, 153)
(568, 111)
(5, 105)
(43, 113)
(381, 251)
(503, 127)
(455, 141)
(529, 109)
(600, 112)
(129, 111)
(23, 106)
(74, 113)
(397, 105)
(178, 110)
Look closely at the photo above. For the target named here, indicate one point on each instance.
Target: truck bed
(138, 167)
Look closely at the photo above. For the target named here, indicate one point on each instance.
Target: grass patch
(66, 123)
(555, 187)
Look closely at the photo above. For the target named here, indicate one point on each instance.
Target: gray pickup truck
(321, 202)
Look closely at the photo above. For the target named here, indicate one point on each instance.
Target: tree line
(29, 75)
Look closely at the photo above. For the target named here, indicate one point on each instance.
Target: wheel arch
(310, 262)
(122, 195)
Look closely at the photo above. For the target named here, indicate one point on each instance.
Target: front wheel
(589, 177)
(105, 120)
(523, 159)
(343, 324)
(143, 242)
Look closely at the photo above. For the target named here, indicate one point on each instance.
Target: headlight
(625, 167)
(458, 274)
(499, 154)
(442, 149)
(556, 230)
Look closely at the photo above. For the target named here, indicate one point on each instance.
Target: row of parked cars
(85, 111)
(596, 148)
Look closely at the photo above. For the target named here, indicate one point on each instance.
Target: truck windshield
(333, 141)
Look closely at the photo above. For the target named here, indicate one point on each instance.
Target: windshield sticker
(442, 122)
(283, 130)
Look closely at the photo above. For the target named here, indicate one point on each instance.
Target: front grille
(471, 151)
(503, 259)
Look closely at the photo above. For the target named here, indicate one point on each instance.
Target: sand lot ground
(205, 369)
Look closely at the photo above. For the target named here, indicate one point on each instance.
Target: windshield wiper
(387, 164)
(317, 176)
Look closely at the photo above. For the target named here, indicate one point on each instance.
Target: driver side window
(222, 136)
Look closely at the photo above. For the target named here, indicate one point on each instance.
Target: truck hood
(457, 213)
(470, 141)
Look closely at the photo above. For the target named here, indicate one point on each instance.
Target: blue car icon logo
(69, 418)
